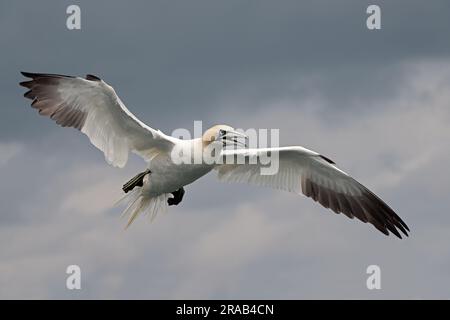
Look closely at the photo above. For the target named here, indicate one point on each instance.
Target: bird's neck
(197, 148)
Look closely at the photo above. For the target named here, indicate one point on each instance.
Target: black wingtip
(327, 159)
(395, 230)
(29, 95)
(396, 233)
(28, 74)
(33, 75)
(26, 84)
(404, 225)
(92, 77)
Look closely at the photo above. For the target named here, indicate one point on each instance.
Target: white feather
(138, 203)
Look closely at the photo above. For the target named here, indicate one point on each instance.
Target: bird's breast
(167, 176)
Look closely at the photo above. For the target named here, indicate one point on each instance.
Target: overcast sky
(376, 102)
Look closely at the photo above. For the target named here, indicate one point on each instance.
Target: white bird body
(168, 176)
(92, 106)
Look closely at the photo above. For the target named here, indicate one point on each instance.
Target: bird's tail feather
(137, 203)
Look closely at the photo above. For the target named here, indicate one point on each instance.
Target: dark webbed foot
(177, 197)
(136, 181)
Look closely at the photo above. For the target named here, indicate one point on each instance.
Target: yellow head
(222, 133)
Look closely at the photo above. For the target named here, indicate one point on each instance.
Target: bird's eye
(222, 132)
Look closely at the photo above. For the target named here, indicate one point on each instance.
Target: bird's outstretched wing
(304, 171)
(92, 106)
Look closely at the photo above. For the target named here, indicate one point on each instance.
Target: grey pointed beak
(235, 137)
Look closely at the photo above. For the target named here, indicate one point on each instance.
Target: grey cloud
(246, 247)
(183, 57)
(376, 103)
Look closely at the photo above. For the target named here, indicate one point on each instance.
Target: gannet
(92, 106)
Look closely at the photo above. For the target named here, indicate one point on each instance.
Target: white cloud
(256, 243)
(8, 151)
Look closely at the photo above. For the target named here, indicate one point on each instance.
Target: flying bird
(92, 106)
